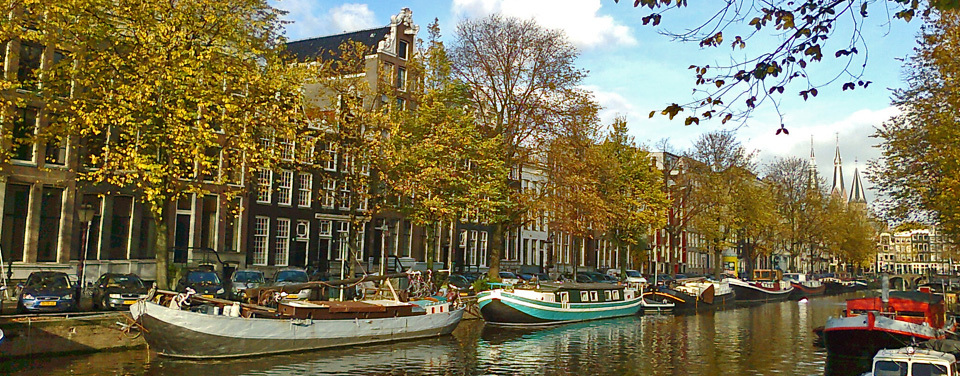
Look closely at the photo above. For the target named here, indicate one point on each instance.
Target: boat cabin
(578, 293)
(910, 306)
(910, 361)
(767, 275)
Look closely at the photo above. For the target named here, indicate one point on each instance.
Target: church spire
(856, 190)
(838, 188)
(812, 176)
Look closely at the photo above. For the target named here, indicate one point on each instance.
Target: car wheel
(103, 304)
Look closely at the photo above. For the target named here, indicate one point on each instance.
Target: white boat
(246, 330)
(912, 361)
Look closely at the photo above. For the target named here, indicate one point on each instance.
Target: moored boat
(552, 304)
(766, 286)
(871, 324)
(651, 306)
(694, 295)
(184, 326)
(804, 286)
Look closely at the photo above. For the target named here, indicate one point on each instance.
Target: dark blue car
(47, 292)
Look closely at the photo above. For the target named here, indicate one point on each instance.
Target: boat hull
(864, 335)
(184, 334)
(499, 307)
(748, 293)
(800, 291)
(686, 303)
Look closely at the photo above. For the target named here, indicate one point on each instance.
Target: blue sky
(634, 69)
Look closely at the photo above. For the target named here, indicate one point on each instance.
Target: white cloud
(578, 18)
(312, 19)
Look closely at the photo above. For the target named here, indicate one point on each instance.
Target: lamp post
(343, 258)
(85, 215)
(384, 234)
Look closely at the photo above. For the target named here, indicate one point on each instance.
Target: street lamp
(384, 234)
(85, 214)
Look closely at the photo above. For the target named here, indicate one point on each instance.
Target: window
(463, 239)
(56, 147)
(287, 149)
(307, 150)
(616, 294)
(326, 228)
(329, 192)
(483, 248)
(30, 56)
(264, 185)
(24, 129)
(50, 205)
(402, 47)
(607, 295)
(401, 104)
(285, 188)
(594, 296)
(305, 191)
(261, 240)
(584, 296)
(330, 157)
(303, 229)
(401, 78)
(282, 250)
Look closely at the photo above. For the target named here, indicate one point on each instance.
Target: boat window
(926, 369)
(593, 296)
(584, 296)
(564, 297)
(616, 294)
(889, 368)
(606, 295)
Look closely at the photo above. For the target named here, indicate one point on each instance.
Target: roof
(310, 49)
(917, 296)
(579, 286)
(914, 354)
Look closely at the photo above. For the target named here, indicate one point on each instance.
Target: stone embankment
(44, 335)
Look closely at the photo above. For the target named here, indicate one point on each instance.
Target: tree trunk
(162, 248)
(496, 251)
(717, 262)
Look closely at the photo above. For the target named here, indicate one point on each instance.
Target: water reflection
(761, 340)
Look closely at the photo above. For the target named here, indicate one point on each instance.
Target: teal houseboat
(557, 303)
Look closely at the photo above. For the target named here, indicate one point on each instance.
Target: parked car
(632, 276)
(47, 292)
(244, 279)
(461, 283)
(114, 290)
(526, 277)
(509, 278)
(205, 282)
(292, 276)
(598, 277)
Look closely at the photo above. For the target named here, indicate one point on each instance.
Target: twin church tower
(856, 190)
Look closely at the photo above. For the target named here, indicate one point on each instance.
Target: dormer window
(402, 47)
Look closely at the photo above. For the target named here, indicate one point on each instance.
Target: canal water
(769, 339)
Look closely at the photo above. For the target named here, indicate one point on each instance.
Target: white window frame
(288, 149)
(285, 188)
(282, 247)
(264, 186)
(326, 228)
(261, 240)
(303, 230)
(329, 193)
(483, 248)
(305, 190)
(331, 157)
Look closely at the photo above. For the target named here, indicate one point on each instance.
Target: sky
(635, 69)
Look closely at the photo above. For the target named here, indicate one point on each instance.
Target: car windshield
(124, 281)
(507, 275)
(633, 273)
(57, 281)
(203, 278)
(248, 277)
(292, 276)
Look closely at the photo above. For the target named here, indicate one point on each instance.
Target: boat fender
(235, 310)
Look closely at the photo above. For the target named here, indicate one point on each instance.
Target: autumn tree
(523, 86)
(166, 99)
(718, 169)
(807, 32)
(757, 221)
(439, 163)
(793, 181)
(630, 187)
(917, 175)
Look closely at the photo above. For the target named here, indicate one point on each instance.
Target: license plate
(128, 302)
(48, 304)
(292, 296)
(207, 296)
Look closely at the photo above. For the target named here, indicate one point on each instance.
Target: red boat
(870, 324)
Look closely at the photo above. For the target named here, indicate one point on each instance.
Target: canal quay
(767, 339)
